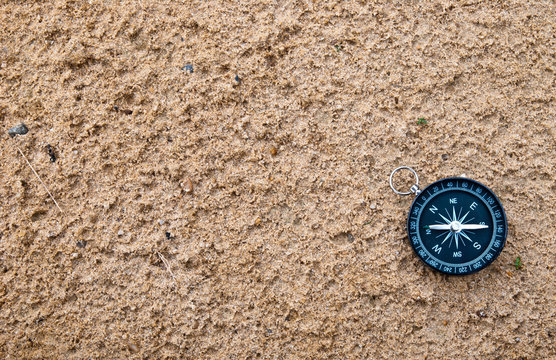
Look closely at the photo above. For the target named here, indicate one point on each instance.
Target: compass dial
(457, 226)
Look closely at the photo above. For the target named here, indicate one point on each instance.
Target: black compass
(455, 225)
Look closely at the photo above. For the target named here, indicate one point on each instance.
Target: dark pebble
(127, 112)
(20, 129)
(351, 238)
(51, 153)
(81, 243)
(168, 235)
(237, 78)
(445, 157)
(116, 108)
(188, 67)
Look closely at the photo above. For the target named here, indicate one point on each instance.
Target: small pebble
(161, 222)
(237, 78)
(168, 235)
(188, 67)
(81, 243)
(74, 255)
(51, 153)
(20, 129)
(188, 186)
(127, 112)
(444, 157)
(273, 151)
(120, 233)
(133, 348)
(373, 206)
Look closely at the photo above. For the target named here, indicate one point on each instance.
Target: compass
(455, 225)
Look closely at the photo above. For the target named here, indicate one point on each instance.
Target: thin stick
(38, 177)
(167, 264)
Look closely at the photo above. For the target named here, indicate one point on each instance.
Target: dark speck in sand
(51, 153)
(188, 67)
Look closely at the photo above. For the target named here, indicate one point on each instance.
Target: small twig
(38, 177)
(167, 264)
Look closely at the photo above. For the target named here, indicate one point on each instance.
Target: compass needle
(439, 227)
(473, 226)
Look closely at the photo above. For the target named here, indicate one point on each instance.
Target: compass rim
(497, 252)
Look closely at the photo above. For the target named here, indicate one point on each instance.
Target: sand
(223, 169)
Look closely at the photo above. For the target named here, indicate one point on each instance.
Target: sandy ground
(236, 204)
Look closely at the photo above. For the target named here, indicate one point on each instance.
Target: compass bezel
(487, 256)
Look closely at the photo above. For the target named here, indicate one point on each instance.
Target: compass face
(457, 226)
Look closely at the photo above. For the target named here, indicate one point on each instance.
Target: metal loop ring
(416, 186)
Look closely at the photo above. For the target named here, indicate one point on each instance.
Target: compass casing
(469, 226)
